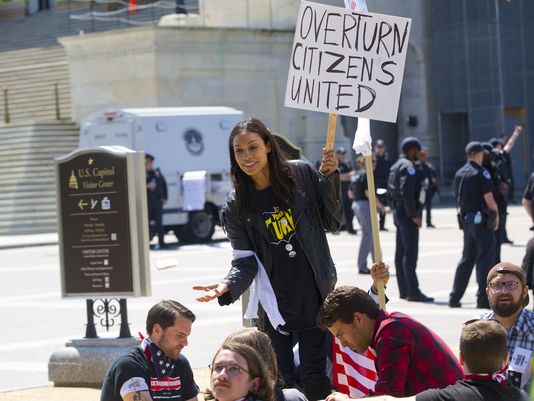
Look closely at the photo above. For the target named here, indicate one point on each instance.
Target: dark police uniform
(381, 175)
(528, 195)
(429, 175)
(345, 167)
(405, 186)
(471, 183)
(504, 172)
(490, 163)
(155, 199)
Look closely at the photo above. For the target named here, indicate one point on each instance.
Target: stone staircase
(35, 82)
(75, 17)
(27, 174)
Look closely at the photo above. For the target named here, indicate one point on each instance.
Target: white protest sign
(347, 62)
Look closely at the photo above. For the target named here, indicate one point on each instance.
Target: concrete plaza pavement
(36, 321)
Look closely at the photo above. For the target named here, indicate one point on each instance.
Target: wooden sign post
(331, 133)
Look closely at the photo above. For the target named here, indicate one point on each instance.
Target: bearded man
(507, 291)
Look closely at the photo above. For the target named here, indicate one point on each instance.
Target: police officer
(345, 174)
(383, 164)
(429, 179)
(405, 187)
(473, 191)
(156, 191)
(490, 163)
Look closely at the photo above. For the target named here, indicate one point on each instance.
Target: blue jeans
(363, 214)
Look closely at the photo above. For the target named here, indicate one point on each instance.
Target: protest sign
(347, 62)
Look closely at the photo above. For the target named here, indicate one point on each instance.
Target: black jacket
(318, 208)
(404, 185)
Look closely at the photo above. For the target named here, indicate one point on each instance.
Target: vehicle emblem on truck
(193, 142)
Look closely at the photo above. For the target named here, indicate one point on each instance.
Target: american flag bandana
(164, 366)
(499, 376)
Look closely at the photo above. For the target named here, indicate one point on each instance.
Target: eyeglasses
(509, 285)
(231, 370)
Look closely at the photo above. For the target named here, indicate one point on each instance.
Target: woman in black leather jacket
(276, 219)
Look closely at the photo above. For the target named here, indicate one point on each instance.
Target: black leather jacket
(318, 208)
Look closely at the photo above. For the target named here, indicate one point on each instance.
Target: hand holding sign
(329, 162)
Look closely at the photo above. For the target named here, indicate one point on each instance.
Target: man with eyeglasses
(507, 291)
(156, 369)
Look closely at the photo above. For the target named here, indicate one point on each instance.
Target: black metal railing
(108, 312)
(9, 94)
(113, 14)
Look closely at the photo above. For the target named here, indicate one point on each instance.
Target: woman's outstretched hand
(210, 291)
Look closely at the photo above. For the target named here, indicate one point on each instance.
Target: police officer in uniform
(405, 187)
(345, 174)
(497, 180)
(156, 191)
(473, 191)
(383, 165)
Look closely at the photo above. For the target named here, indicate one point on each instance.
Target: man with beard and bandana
(156, 369)
(507, 291)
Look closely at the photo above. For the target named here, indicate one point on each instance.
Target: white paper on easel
(195, 186)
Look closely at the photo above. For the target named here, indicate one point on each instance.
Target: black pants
(155, 213)
(500, 237)
(406, 252)
(428, 206)
(479, 244)
(382, 215)
(313, 347)
(348, 214)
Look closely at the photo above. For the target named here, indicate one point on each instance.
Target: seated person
(410, 358)
(260, 342)
(156, 369)
(484, 358)
(239, 373)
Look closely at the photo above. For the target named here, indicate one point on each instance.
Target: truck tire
(199, 228)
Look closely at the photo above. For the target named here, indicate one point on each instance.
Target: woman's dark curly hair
(281, 176)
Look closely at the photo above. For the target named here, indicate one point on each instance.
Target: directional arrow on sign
(82, 204)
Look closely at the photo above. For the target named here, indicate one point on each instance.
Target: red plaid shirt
(410, 358)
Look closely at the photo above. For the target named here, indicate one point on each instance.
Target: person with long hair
(276, 219)
(260, 342)
(239, 374)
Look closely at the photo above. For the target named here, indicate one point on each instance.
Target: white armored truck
(190, 147)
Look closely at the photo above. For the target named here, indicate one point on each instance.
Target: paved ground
(36, 321)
